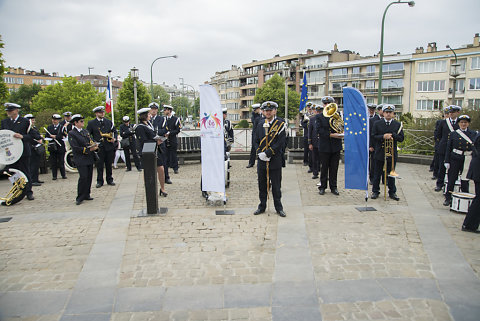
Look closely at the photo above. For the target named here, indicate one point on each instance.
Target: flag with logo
(304, 96)
(355, 116)
(108, 98)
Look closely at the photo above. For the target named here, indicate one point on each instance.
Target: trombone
(389, 152)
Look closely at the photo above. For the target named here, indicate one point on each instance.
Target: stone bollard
(149, 162)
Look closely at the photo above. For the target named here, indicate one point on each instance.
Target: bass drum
(69, 163)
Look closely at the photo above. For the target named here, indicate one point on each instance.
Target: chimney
(419, 50)
(335, 47)
(309, 51)
(42, 71)
(476, 41)
(432, 47)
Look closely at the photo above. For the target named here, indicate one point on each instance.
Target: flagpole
(110, 93)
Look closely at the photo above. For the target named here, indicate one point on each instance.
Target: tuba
(389, 152)
(336, 122)
(17, 192)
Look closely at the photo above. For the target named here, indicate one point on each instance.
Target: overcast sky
(68, 36)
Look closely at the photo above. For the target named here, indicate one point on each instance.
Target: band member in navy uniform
(306, 151)
(458, 145)
(270, 153)
(383, 129)
(373, 117)
(472, 219)
(446, 127)
(66, 122)
(156, 120)
(329, 148)
(106, 151)
(21, 127)
(173, 127)
(35, 145)
(56, 146)
(83, 149)
(436, 136)
(129, 144)
(227, 131)
(256, 114)
(146, 133)
(313, 140)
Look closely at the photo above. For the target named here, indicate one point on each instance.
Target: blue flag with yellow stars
(355, 116)
(304, 96)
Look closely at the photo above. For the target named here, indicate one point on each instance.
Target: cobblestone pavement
(194, 265)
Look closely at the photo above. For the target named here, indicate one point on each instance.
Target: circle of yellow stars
(360, 131)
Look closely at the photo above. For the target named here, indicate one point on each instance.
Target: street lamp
(286, 74)
(151, 72)
(134, 75)
(454, 72)
(89, 68)
(380, 72)
(187, 95)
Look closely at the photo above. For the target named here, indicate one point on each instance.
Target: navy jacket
(474, 169)
(379, 129)
(312, 130)
(276, 142)
(59, 135)
(442, 135)
(455, 141)
(94, 127)
(20, 126)
(326, 144)
(79, 141)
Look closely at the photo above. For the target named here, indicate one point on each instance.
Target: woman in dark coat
(472, 220)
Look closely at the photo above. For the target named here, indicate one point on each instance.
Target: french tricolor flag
(108, 99)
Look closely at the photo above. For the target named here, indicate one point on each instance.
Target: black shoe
(54, 178)
(470, 230)
(438, 189)
(314, 176)
(162, 194)
(335, 191)
(430, 170)
(309, 171)
(168, 181)
(64, 177)
(89, 199)
(249, 166)
(41, 182)
(446, 203)
(258, 211)
(305, 164)
(175, 171)
(98, 185)
(204, 194)
(111, 184)
(30, 197)
(78, 202)
(139, 169)
(36, 184)
(281, 213)
(374, 196)
(321, 191)
(128, 170)
(434, 178)
(394, 196)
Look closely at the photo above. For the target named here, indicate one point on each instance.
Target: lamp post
(151, 72)
(89, 68)
(286, 74)
(187, 95)
(454, 72)
(134, 75)
(380, 71)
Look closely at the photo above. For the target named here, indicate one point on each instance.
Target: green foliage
(24, 96)
(195, 109)
(243, 124)
(475, 117)
(69, 95)
(180, 106)
(274, 90)
(3, 86)
(44, 118)
(161, 95)
(126, 104)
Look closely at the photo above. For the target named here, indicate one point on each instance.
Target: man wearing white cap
(56, 147)
(173, 127)
(37, 150)
(129, 143)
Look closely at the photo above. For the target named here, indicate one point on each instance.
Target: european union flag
(304, 96)
(355, 116)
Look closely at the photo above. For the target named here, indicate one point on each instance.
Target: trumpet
(336, 122)
(389, 151)
(17, 192)
(107, 136)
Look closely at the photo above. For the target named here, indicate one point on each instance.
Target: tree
(69, 95)
(274, 90)
(181, 105)
(24, 96)
(3, 86)
(126, 103)
(195, 109)
(243, 124)
(161, 95)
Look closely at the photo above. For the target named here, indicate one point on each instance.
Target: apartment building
(15, 77)
(432, 84)
(100, 83)
(227, 83)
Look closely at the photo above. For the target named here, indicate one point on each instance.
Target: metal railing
(417, 141)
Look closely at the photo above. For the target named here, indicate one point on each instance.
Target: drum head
(463, 195)
(11, 148)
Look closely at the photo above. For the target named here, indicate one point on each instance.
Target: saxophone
(107, 136)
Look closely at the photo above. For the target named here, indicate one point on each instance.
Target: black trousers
(472, 220)
(378, 174)
(371, 166)
(23, 165)
(455, 168)
(136, 159)
(329, 169)
(436, 164)
(105, 160)
(171, 159)
(306, 152)
(253, 156)
(85, 174)
(315, 161)
(275, 183)
(57, 162)
(441, 170)
(34, 166)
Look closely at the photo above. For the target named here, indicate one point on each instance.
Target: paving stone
(195, 298)
(247, 295)
(139, 299)
(23, 304)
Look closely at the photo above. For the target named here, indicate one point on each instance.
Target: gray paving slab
(247, 295)
(193, 298)
(294, 294)
(139, 299)
(98, 300)
(23, 304)
(296, 313)
(404, 288)
(351, 291)
(87, 317)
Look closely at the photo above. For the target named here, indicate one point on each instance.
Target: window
(356, 71)
(428, 104)
(356, 84)
(458, 102)
(316, 76)
(392, 83)
(13, 80)
(370, 100)
(393, 67)
(432, 85)
(460, 86)
(462, 63)
(252, 80)
(474, 84)
(233, 116)
(223, 96)
(233, 95)
(38, 81)
(248, 103)
(340, 72)
(337, 86)
(371, 70)
(475, 63)
(232, 105)
(48, 82)
(370, 84)
(267, 77)
(395, 100)
(474, 104)
(432, 66)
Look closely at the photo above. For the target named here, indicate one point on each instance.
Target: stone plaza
(326, 260)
